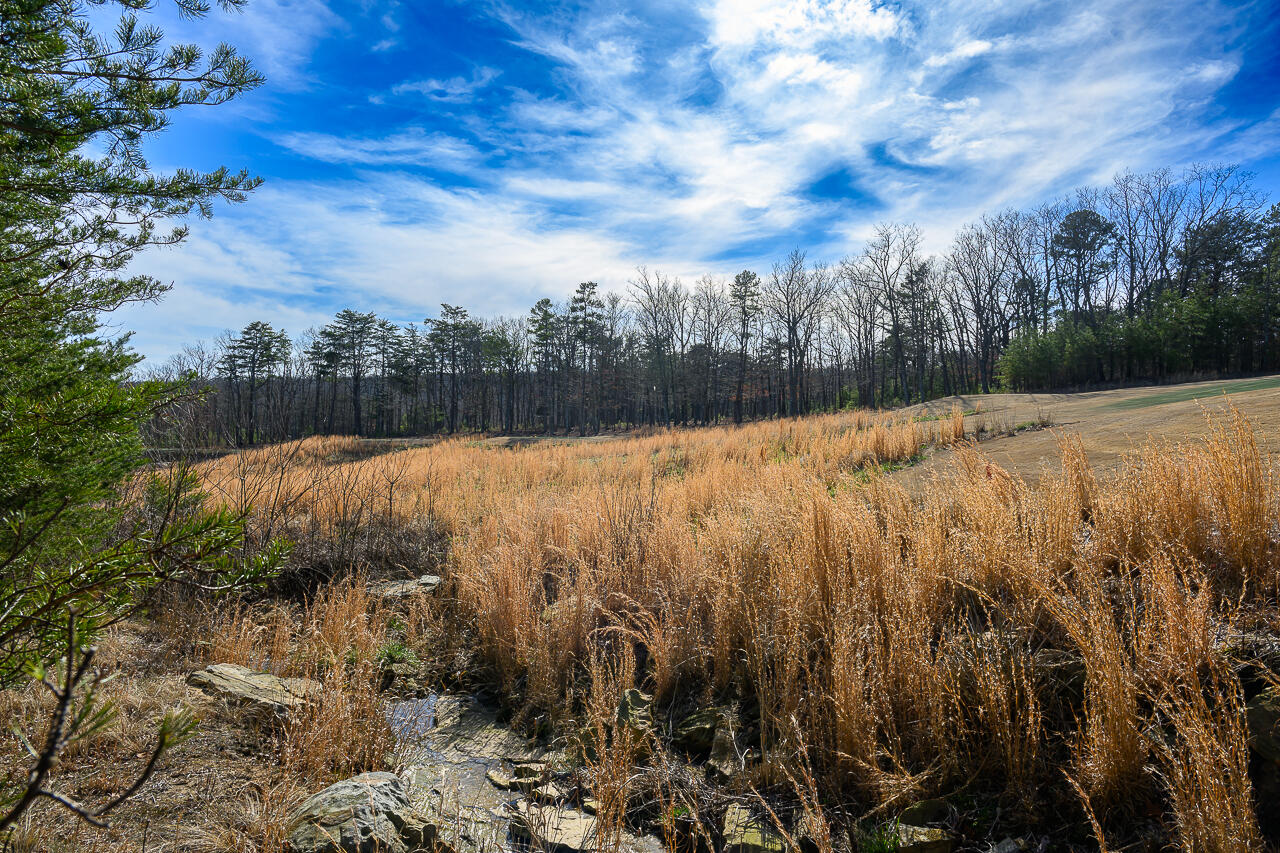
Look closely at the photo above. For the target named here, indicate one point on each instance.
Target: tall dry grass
(340, 638)
(984, 634)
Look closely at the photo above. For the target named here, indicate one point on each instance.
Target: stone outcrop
(465, 769)
(394, 590)
(746, 833)
(697, 732)
(555, 828)
(923, 839)
(261, 694)
(499, 779)
(635, 711)
(449, 774)
(370, 812)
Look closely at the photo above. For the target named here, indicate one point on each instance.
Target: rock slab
(262, 693)
(555, 828)
(367, 813)
(745, 833)
(922, 839)
(425, 585)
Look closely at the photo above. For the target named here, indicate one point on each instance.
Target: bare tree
(888, 261)
(794, 297)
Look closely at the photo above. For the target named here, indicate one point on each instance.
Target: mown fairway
(1110, 423)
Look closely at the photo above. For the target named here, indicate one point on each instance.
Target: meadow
(1062, 649)
(1067, 657)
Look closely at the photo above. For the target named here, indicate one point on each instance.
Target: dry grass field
(1057, 631)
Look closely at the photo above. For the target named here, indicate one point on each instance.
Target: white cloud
(279, 35)
(388, 243)
(809, 69)
(411, 147)
(454, 90)
(800, 23)
(672, 152)
(959, 53)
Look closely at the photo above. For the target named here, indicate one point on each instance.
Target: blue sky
(489, 153)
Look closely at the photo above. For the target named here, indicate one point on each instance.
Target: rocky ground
(472, 784)
(465, 782)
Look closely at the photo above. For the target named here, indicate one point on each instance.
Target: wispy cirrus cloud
(455, 90)
(962, 51)
(409, 147)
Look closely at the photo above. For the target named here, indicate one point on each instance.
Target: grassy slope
(1110, 423)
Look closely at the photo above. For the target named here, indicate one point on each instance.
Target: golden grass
(891, 641)
(336, 639)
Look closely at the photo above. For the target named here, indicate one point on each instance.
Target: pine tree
(77, 201)
(744, 296)
(352, 337)
(585, 326)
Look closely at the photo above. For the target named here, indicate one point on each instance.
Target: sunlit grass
(889, 642)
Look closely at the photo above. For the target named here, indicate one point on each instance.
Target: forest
(1157, 277)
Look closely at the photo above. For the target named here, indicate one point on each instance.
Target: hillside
(1109, 423)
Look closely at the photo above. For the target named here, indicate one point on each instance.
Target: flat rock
(424, 585)
(499, 779)
(448, 779)
(555, 827)
(551, 792)
(529, 770)
(924, 839)
(367, 813)
(465, 730)
(745, 833)
(262, 693)
(451, 756)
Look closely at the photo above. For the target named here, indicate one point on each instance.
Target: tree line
(1157, 276)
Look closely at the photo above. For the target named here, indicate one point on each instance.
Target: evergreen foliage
(85, 535)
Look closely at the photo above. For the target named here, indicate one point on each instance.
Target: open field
(878, 614)
(1109, 423)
